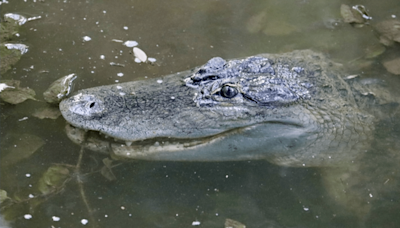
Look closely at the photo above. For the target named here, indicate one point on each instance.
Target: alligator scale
(292, 109)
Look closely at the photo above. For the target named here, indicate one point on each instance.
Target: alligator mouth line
(97, 141)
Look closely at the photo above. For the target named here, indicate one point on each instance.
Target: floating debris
(351, 76)
(117, 64)
(152, 60)
(55, 218)
(354, 15)
(4, 86)
(86, 39)
(130, 43)
(368, 93)
(59, 89)
(118, 41)
(84, 221)
(34, 18)
(362, 11)
(13, 94)
(16, 17)
(139, 54)
(23, 118)
(19, 18)
(21, 47)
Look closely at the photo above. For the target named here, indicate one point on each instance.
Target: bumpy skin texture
(292, 109)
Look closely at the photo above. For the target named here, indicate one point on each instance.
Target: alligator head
(292, 109)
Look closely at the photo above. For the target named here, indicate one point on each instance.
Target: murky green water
(181, 35)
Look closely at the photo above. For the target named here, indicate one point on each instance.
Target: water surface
(181, 35)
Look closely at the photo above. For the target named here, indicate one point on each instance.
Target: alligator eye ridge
(228, 91)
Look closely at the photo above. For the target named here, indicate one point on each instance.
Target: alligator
(295, 109)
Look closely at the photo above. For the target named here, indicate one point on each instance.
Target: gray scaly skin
(292, 109)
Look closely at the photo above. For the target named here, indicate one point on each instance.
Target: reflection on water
(57, 185)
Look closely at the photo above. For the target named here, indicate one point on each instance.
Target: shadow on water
(50, 182)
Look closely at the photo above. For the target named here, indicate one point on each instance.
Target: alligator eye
(92, 104)
(228, 91)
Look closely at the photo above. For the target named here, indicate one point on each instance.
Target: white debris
(126, 27)
(34, 18)
(159, 81)
(306, 208)
(19, 18)
(27, 216)
(195, 223)
(152, 60)
(55, 218)
(16, 17)
(21, 47)
(117, 64)
(4, 86)
(140, 54)
(137, 60)
(102, 57)
(84, 221)
(351, 76)
(86, 38)
(368, 93)
(118, 41)
(130, 43)
(120, 74)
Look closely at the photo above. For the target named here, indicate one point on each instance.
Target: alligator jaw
(219, 147)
